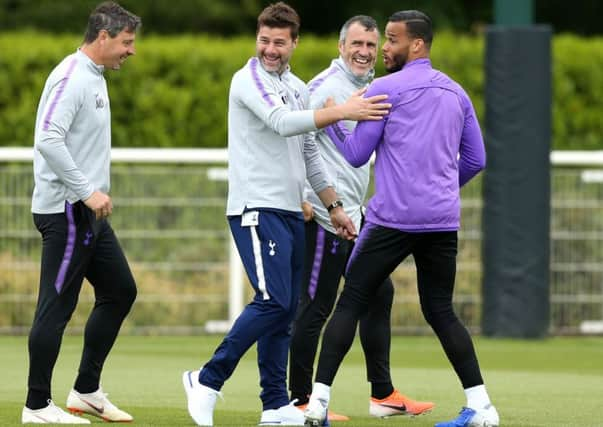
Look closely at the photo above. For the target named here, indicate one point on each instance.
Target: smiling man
(327, 254)
(270, 156)
(70, 206)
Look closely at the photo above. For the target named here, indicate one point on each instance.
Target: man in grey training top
(70, 206)
(270, 155)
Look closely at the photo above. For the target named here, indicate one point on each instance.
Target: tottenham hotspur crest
(272, 246)
(100, 102)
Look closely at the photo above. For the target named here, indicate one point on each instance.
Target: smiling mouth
(361, 61)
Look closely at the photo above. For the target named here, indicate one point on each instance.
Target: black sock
(381, 390)
(37, 399)
(86, 384)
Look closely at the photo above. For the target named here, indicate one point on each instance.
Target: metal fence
(169, 217)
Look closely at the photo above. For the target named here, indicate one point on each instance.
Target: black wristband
(335, 204)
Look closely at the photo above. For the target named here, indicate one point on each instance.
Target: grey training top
(270, 153)
(72, 145)
(350, 183)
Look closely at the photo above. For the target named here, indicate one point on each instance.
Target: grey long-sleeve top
(72, 144)
(350, 183)
(270, 153)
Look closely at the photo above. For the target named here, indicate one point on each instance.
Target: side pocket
(87, 225)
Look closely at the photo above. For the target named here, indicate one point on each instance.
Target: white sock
(321, 391)
(477, 397)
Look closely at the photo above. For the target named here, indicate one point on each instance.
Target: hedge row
(173, 93)
(239, 17)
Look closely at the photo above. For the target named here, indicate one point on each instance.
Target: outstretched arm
(358, 146)
(357, 108)
(255, 91)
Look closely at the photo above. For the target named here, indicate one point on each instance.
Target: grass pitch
(545, 383)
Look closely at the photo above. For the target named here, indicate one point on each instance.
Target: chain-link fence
(170, 220)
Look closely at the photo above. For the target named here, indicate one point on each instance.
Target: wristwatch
(335, 204)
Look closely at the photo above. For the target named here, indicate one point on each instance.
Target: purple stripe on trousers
(316, 83)
(258, 82)
(320, 244)
(57, 95)
(58, 284)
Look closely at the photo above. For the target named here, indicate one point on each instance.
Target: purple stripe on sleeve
(320, 244)
(58, 94)
(258, 82)
(340, 131)
(60, 281)
(316, 83)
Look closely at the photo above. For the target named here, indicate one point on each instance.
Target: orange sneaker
(332, 416)
(398, 404)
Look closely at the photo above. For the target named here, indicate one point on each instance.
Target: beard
(275, 67)
(399, 61)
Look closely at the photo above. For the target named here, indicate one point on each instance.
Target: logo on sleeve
(283, 95)
(100, 102)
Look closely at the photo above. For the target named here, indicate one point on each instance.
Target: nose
(364, 50)
(270, 48)
(132, 51)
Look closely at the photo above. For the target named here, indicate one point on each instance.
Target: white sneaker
(287, 415)
(51, 414)
(316, 412)
(201, 399)
(485, 417)
(96, 404)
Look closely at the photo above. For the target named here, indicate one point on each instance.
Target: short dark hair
(418, 25)
(367, 22)
(111, 17)
(280, 15)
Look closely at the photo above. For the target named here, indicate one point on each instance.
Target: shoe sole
(39, 420)
(377, 413)
(188, 387)
(331, 416)
(80, 412)
(186, 384)
(403, 414)
(185, 381)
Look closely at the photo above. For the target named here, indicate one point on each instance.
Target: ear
(341, 46)
(295, 41)
(103, 35)
(418, 45)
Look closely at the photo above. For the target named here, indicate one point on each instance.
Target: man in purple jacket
(428, 147)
